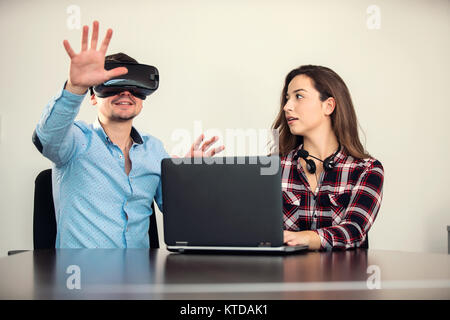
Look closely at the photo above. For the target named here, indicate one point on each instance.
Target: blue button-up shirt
(97, 204)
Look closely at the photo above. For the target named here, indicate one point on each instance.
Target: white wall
(223, 63)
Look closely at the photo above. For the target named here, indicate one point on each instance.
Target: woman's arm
(358, 218)
(298, 238)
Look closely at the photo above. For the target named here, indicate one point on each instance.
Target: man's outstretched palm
(87, 68)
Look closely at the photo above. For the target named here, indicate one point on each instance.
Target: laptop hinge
(181, 243)
(265, 244)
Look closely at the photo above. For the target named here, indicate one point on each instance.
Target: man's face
(119, 108)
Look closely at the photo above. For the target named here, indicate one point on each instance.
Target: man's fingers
(105, 43)
(116, 72)
(84, 39)
(202, 151)
(208, 143)
(197, 142)
(69, 49)
(215, 151)
(94, 35)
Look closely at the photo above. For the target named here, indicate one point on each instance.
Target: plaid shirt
(345, 206)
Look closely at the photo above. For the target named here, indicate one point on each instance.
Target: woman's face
(304, 111)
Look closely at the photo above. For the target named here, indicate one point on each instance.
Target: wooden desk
(158, 274)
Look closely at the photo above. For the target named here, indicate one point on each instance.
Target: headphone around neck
(328, 163)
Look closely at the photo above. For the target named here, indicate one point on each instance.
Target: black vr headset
(141, 81)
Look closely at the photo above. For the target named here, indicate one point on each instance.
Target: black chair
(44, 221)
(365, 244)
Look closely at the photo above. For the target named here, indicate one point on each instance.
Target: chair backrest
(44, 220)
(365, 244)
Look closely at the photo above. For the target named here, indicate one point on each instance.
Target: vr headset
(141, 81)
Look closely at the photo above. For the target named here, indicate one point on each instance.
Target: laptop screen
(229, 202)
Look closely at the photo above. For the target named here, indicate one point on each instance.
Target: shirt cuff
(71, 102)
(325, 244)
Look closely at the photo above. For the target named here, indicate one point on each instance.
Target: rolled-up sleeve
(359, 215)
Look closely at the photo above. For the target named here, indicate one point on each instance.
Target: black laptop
(223, 204)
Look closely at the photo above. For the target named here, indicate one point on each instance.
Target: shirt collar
(135, 136)
(340, 156)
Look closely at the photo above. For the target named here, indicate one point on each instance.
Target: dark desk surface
(158, 274)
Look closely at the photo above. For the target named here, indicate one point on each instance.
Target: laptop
(223, 204)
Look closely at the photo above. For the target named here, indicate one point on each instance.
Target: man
(105, 174)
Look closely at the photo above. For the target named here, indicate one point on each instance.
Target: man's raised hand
(87, 68)
(200, 148)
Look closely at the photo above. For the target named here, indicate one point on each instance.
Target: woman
(332, 188)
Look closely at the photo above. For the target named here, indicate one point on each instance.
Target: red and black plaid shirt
(345, 206)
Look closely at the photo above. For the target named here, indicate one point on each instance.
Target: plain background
(223, 63)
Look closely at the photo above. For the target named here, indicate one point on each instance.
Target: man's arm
(55, 134)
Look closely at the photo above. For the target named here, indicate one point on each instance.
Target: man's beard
(118, 118)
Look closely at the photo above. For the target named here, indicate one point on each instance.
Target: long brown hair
(343, 119)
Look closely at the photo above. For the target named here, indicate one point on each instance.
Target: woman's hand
(201, 150)
(87, 68)
(298, 238)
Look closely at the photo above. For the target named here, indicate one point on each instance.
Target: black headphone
(328, 163)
